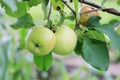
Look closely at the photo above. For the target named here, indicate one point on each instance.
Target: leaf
(76, 8)
(33, 2)
(93, 21)
(78, 48)
(95, 35)
(44, 7)
(118, 2)
(25, 21)
(43, 62)
(103, 2)
(20, 11)
(49, 24)
(70, 17)
(111, 33)
(108, 29)
(23, 33)
(95, 52)
(62, 18)
(11, 4)
(57, 5)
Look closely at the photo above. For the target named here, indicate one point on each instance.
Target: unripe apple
(40, 41)
(66, 40)
(85, 16)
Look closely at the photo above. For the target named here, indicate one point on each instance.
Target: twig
(109, 10)
(76, 22)
(89, 11)
(69, 7)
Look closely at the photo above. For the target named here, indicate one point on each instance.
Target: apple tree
(68, 26)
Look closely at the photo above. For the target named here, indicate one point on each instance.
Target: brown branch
(69, 7)
(88, 11)
(109, 10)
(74, 13)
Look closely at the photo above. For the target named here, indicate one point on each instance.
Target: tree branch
(69, 7)
(109, 10)
(74, 13)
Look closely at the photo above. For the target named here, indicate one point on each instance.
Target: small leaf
(78, 49)
(103, 2)
(23, 33)
(95, 52)
(9, 5)
(76, 8)
(44, 7)
(20, 11)
(57, 5)
(70, 17)
(23, 22)
(49, 24)
(118, 2)
(62, 17)
(33, 2)
(95, 35)
(43, 62)
(93, 21)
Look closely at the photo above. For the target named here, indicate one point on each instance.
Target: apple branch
(109, 10)
(74, 13)
(65, 2)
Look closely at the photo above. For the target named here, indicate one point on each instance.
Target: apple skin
(84, 17)
(40, 41)
(66, 40)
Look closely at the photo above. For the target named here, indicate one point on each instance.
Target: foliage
(94, 40)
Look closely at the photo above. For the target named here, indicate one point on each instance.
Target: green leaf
(33, 2)
(103, 2)
(112, 34)
(95, 35)
(57, 4)
(108, 29)
(62, 17)
(49, 24)
(93, 21)
(23, 33)
(78, 48)
(118, 2)
(20, 10)
(95, 52)
(70, 17)
(43, 62)
(76, 8)
(44, 7)
(11, 4)
(25, 21)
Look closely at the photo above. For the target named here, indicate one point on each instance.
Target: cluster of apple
(41, 41)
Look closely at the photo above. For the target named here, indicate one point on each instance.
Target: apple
(66, 40)
(40, 41)
(85, 16)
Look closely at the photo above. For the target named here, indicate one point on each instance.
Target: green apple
(40, 41)
(85, 16)
(66, 40)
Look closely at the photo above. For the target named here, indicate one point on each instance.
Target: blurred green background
(16, 64)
